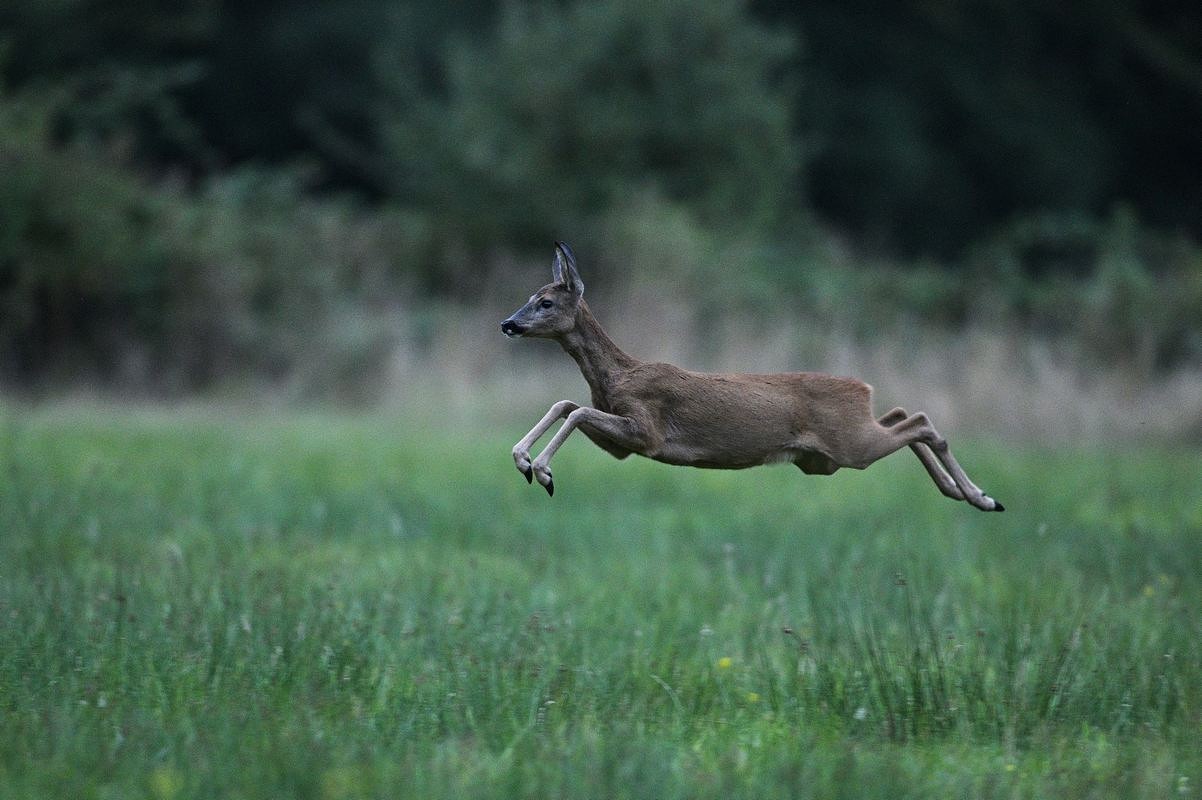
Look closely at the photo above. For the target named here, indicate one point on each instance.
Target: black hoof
(550, 488)
(529, 473)
(998, 506)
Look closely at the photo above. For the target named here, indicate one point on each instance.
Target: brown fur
(723, 421)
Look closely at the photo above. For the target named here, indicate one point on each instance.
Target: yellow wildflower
(166, 783)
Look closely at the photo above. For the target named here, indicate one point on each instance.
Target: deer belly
(608, 445)
(722, 452)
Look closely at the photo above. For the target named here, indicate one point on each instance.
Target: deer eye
(546, 304)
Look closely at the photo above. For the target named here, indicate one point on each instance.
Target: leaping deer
(818, 422)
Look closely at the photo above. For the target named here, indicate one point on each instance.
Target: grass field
(198, 605)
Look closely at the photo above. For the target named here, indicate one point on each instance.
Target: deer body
(722, 421)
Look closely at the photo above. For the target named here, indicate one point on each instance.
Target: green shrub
(82, 258)
(109, 279)
(567, 111)
(1128, 295)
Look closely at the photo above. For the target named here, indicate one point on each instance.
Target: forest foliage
(194, 192)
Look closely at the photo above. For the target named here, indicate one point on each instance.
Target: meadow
(200, 603)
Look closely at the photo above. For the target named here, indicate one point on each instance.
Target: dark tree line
(194, 188)
(918, 126)
(933, 121)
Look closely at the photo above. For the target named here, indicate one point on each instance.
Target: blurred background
(989, 210)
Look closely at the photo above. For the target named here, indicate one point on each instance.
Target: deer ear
(565, 269)
(559, 267)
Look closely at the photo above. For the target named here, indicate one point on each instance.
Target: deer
(819, 422)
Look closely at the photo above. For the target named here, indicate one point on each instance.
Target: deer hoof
(987, 503)
(543, 476)
(521, 460)
(529, 473)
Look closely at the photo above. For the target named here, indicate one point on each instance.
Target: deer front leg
(623, 431)
(521, 450)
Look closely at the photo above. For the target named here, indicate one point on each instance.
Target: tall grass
(204, 603)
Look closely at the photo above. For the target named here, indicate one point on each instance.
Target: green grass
(316, 606)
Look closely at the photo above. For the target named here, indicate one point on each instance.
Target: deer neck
(599, 359)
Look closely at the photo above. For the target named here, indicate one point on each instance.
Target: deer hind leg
(876, 441)
(946, 485)
(521, 450)
(624, 432)
(918, 428)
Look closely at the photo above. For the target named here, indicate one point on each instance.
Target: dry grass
(981, 381)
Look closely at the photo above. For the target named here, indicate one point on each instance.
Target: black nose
(509, 327)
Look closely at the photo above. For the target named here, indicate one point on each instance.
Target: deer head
(551, 311)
